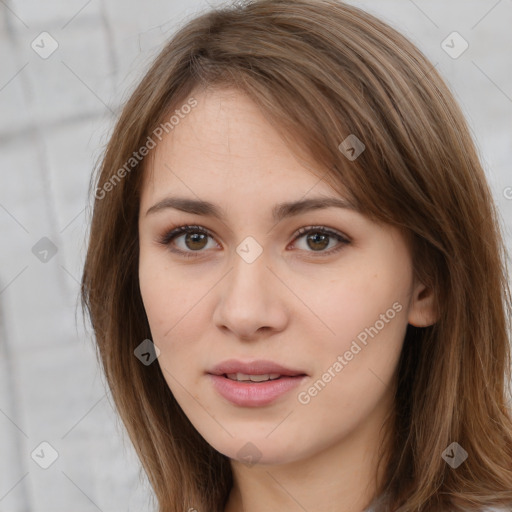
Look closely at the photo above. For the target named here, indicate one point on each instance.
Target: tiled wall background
(55, 116)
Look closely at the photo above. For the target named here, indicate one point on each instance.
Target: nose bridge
(249, 271)
(248, 301)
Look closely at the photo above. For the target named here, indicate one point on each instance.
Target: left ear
(421, 310)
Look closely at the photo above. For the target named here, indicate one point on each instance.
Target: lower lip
(255, 394)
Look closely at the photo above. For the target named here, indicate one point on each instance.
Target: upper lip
(256, 367)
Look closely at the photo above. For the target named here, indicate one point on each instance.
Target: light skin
(300, 303)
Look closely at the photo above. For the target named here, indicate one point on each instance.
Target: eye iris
(315, 239)
(195, 238)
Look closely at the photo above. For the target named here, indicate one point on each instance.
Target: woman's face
(328, 306)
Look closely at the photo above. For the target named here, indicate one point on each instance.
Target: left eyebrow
(279, 211)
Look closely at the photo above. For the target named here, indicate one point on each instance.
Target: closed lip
(255, 367)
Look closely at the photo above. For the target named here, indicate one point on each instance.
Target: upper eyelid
(181, 230)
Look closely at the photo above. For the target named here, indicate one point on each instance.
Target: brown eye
(194, 239)
(318, 239)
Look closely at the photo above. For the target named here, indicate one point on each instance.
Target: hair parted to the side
(321, 70)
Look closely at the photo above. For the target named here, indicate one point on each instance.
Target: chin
(258, 449)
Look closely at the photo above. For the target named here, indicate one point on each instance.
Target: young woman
(295, 273)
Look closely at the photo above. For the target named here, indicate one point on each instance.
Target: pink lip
(253, 394)
(256, 367)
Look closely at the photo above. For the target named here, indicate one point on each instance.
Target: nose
(251, 301)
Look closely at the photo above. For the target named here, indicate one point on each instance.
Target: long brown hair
(321, 71)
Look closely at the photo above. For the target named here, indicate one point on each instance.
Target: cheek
(175, 314)
(164, 292)
(354, 367)
(346, 307)
(364, 321)
(159, 302)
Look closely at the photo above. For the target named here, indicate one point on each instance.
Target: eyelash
(168, 237)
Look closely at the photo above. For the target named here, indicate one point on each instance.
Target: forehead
(225, 147)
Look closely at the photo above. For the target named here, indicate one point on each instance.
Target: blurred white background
(55, 116)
